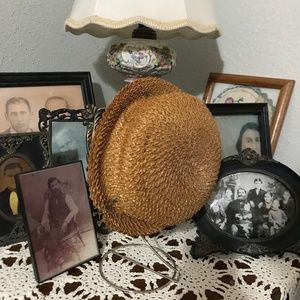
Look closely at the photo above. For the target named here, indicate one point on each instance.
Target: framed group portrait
(242, 126)
(18, 154)
(231, 88)
(22, 95)
(255, 206)
(58, 219)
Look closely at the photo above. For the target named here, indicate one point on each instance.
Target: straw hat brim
(154, 158)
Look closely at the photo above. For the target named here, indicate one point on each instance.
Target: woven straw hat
(154, 158)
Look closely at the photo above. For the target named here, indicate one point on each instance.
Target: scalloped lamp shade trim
(170, 18)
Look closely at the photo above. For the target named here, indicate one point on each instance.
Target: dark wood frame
(39, 79)
(258, 109)
(249, 161)
(23, 207)
(284, 85)
(33, 148)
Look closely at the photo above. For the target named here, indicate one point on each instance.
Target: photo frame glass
(58, 219)
(68, 142)
(230, 128)
(252, 205)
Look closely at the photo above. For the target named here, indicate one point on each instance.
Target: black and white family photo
(251, 205)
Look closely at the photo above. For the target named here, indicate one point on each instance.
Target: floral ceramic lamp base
(137, 58)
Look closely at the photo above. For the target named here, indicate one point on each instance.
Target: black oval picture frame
(252, 227)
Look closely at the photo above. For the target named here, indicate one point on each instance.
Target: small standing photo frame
(70, 133)
(230, 88)
(242, 126)
(18, 153)
(57, 216)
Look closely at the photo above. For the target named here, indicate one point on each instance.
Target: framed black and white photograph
(22, 95)
(58, 219)
(68, 142)
(70, 133)
(255, 206)
(18, 154)
(242, 126)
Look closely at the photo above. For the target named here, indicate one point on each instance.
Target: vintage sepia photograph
(231, 88)
(22, 95)
(68, 142)
(242, 126)
(251, 205)
(58, 219)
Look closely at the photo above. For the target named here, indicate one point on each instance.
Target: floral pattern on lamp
(139, 58)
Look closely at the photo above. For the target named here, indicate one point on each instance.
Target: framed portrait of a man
(22, 95)
(242, 126)
(59, 224)
(68, 142)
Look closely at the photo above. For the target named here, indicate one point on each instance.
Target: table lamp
(141, 23)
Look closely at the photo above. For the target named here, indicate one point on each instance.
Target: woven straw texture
(154, 158)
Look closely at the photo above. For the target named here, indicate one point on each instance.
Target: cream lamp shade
(169, 18)
(142, 22)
